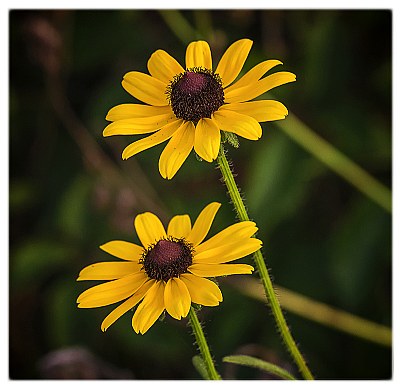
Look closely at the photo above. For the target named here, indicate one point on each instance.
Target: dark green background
(322, 237)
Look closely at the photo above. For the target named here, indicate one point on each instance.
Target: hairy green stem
(202, 344)
(262, 269)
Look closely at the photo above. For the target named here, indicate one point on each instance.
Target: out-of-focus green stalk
(319, 312)
(336, 161)
(202, 19)
(178, 25)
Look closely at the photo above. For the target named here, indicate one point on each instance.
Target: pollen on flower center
(192, 82)
(195, 94)
(168, 258)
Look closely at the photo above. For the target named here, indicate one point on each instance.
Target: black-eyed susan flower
(191, 105)
(171, 268)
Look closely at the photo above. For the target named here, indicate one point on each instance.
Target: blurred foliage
(70, 192)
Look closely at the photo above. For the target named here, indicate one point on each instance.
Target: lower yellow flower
(170, 270)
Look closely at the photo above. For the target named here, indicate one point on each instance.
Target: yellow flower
(170, 270)
(191, 106)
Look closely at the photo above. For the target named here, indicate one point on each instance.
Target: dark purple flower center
(195, 94)
(192, 83)
(168, 258)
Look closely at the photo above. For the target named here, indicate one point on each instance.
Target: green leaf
(200, 366)
(254, 362)
(231, 138)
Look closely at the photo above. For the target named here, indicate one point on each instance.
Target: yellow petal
(207, 139)
(149, 228)
(145, 88)
(233, 60)
(129, 111)
(108, 270)
(243, 125)
(177, 150)
(139, 125)
(111, 292)
(263, 110)
(254, 74)
(150, 309)
(126, 306)
(179, 226)
(198, 54)
(163, 67)
(254, 90)
(211, 270)
(228, 252)
(235, 232)
(150, 141)
(123, 250)
(177, 298)
(202, 291)
(203, 223)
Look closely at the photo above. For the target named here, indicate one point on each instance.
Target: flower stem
(262, 269)
(202, 344)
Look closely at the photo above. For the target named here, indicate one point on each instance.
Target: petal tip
(249, 41)
(162, 171)
(215, 204)
(103, 247)
(107, 131)
(109, 114)
(167, 176)
(125, 156)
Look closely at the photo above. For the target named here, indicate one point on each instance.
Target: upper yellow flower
(190, 106)
(169, 271)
